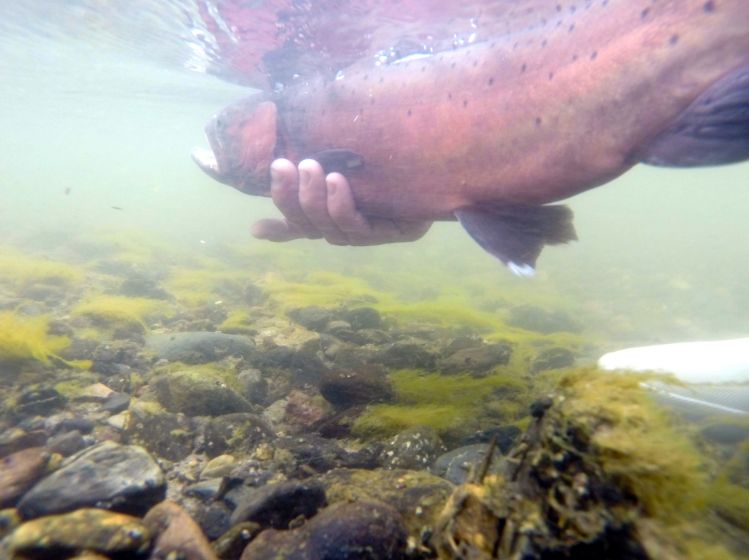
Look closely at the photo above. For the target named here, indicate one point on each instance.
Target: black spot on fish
(381, 80)
(673, 40)
(574, 57)
(551, 76)
(594, 55)
(490, 81)
(571, 28)
(538, 121)
(543, 44)
(449, 95)
(644, 13)
(452, 65)
(523, 68)
(559, 7)
(465, 103)
(366, 77)
(493, 44)
(573, 9)
(709, 6)
(371, 100)
(409, 113)
(423, 68)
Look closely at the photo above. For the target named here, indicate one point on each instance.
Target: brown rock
(176, 534)
(19, 472)
(344, 531)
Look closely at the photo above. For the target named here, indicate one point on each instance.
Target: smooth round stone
(200, 347)
(85, 529)
(19, 472)
(112, 476)
(218, 467)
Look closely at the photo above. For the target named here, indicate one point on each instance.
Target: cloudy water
(136, 308)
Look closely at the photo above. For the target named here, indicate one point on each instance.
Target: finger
(342, 208)
(284, 189)
(277, 230)
(313, 199)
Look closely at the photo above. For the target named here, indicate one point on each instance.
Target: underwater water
(112, 242)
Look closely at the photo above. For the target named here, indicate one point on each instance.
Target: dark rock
(540, 406)
(313, 318)
(457, 465)
(214, 519)
(415, 448)
(505, 437)
(19, 472)
(162, 433)
(204, 490)
(110, 357)
(237, 433)
(408, 354)
(197, 393)
(532, 318)
(230, 545)
(340, 424)
(80, 349)
(252, 294)
(417, 495)
(477, 359)
(553, 358)
(727, 432)
(17, 439)
(356, 531)
(277, 505)
(38, 399)
(345, 388)
(75, 423)
(254, 385)
(59, 536)
(317, 454)
(303, 410)
(142, 286)
(67, 443)
(122, 478)
(116, 403)
(363, 318)
(175, 534)
(200, 347)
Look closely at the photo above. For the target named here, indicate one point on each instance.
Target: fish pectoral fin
(516, 234)
(338, 160)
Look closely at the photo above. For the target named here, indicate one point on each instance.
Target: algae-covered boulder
(198, 392)
(602, 472)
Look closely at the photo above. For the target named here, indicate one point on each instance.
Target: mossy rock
(198, 392)
(417, 495)
(163, 433)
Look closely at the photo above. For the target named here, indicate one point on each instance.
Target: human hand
(315, 206)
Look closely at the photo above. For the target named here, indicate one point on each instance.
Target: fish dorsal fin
(517, 234)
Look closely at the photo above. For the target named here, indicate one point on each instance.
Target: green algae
(24, 339)
(451, 404)
(237, 322)
(111, 312)
(19, 270)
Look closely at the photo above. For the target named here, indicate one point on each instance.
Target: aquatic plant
(120, 312)
(451, 404)
(20, 270)
(26, 339)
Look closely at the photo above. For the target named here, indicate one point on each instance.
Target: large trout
(491, 132)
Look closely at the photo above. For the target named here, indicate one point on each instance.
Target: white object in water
(718, 361)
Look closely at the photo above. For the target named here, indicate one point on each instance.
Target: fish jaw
(242, 140)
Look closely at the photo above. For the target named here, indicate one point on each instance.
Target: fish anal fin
(713, 130)
(516, 234)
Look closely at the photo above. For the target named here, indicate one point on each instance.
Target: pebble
(197, 394)
(218, 467)
(415, 448)
(120, 477)
(176, 535)
(345, 388)
(19, 472)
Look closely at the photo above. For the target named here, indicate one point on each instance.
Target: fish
(492, 133)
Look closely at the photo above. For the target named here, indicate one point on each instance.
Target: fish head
(242, 140)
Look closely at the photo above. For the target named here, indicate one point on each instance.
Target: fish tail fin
(517, 234)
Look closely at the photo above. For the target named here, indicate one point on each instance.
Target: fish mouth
(206, 159)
